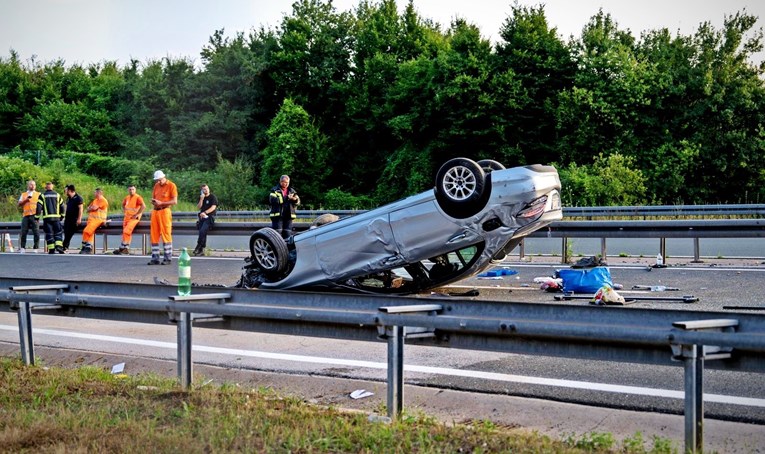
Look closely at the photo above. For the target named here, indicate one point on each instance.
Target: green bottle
(184, 273)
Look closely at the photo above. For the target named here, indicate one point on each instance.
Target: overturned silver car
(476, 214)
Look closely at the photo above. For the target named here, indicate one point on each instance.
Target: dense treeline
(361, 107)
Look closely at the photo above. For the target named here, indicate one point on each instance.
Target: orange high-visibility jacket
(165, 193)
(131, 205)
(30, 208)
(103, 207)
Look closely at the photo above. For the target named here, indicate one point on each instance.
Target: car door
(357, 249)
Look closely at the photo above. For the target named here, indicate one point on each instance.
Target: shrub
(113, 169)
(337, 199)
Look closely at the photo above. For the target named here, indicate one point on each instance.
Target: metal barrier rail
(732, 341)
(749, 210)
(660, 229)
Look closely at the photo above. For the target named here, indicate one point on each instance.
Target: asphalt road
(731, 396)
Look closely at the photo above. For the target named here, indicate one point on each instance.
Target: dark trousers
(54, 233)
(70, 228)
(283, 225)
(204, 226)
(27, 223)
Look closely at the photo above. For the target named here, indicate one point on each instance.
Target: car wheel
(269, 250)
(460, 185)
(489, 165)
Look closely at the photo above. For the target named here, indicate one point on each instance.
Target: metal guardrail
(565, 230)
(731, 341)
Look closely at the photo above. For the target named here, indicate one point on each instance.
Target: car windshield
(427, 273)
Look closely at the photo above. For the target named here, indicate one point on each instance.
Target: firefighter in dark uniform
(284, 201)
(51, 209)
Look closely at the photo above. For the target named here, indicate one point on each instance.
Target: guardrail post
(693, 357)
(25, 333)
(522, 249)
(395, 371)
(603, 248)
(185, 365)
(663, 249)
(395, 335)
(26, 341)
(564, 250)
(184, 319)
(696, 251)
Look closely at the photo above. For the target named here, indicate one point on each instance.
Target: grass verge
(90, 410)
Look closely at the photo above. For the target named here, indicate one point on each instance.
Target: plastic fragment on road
(361, 393)
(497, 273)
(607, 295)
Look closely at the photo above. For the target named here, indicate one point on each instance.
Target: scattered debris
(147, 388)
(361, 393)
(497, 273)
(471, 292)
(633, 299)
(118, 368)
(655, 288)
(607, 295)
(589, 262)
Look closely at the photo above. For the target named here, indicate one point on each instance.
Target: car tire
(269, 251)
(460, 186)
(488, 165)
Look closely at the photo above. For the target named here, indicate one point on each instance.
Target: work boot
(86, 250)
(51, 251)
(121, 251)
(60, 250)
(198, 251)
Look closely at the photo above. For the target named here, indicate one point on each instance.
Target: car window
(423, 274)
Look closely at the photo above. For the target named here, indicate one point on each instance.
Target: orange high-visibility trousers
(161, 226)
(128, 225)
(90, 229)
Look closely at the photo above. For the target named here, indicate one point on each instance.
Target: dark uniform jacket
(51, 205)
(282, 206)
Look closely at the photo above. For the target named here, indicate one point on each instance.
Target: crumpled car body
(477, 213)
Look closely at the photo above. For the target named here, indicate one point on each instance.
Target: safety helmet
(158, 175)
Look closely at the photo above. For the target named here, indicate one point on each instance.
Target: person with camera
(284, 201)
(208, 207)
(30, 216)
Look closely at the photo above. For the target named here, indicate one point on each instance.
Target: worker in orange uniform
(133, 207)
(97, 210)
(164, 195)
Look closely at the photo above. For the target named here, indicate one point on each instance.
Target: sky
(92, 31)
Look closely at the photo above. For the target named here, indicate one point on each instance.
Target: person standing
(163, 196)
(73, 217)
(97, 211)
(51, 208)
(29, 219)
(133, 207)
(208, 207)
(284, 201)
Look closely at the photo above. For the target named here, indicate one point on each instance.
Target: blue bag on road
(585, 281)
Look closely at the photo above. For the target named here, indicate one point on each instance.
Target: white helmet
(158, 175)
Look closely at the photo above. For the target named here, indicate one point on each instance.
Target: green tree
(297, 148)
(609, 180)
(533, 66)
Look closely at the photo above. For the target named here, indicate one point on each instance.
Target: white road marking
(635, 390)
